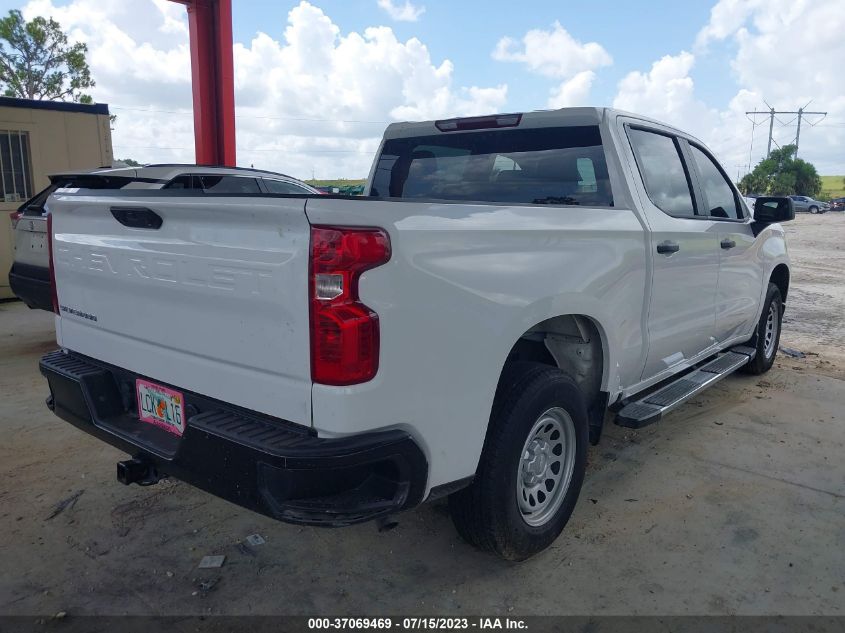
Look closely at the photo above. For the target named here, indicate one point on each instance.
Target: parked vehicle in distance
(461, 330)
(29, 277)
(837, 204)
(804, 204)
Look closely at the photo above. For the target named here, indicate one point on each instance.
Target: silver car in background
(805, 204)
(30, 273)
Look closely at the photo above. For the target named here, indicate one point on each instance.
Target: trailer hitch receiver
(137, 471)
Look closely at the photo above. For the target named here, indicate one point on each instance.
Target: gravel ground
(734, 504)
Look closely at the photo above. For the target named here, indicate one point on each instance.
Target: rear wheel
(767, 337)
(532, 466)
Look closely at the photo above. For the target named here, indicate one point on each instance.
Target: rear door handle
(726, 243)
(667, 247)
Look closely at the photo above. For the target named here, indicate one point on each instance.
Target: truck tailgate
(213, 301)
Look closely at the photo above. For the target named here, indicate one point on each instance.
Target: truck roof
(536, 118)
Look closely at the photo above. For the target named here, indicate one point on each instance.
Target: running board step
(652, 407)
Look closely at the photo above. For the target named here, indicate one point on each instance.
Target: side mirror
(770, 210)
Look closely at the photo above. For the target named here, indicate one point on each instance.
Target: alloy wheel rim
(545, 468)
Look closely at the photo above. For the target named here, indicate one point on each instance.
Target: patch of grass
(341, 182)
(832, 187)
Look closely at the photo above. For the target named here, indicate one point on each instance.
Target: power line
(255, 116)
(751, 146)
(772, 114)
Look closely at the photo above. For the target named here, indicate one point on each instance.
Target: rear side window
(215, 184)
(665, 179)
(564, 166)
(282, 186)
(718, 193)
(185, 181)
(229, 184)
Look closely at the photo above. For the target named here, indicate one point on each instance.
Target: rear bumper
(268, 465)
(31, 284)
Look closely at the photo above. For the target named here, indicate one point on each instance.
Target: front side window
(562, 166)
(665, 179)
(718, 193)
(16, 180)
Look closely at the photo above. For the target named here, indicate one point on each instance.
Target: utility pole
(798, 131)
(771, 113)
(771, 125)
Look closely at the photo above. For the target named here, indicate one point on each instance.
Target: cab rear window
(562, 165)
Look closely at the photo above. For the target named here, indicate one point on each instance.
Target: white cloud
(553, 53)
(665, 92)
(402, 13)
(786, 52)
(573, 92)
(725, 17)
(130, 47)
(314, 99)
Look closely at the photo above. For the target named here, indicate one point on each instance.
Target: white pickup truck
(462, 329)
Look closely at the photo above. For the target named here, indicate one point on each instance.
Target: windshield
(564, 165)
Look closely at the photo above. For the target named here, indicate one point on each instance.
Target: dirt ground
(734, 504)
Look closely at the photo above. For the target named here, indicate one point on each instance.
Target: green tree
(37, 62)
(782, 174)
(129, 162)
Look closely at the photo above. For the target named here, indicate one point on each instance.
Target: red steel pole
(213, 80)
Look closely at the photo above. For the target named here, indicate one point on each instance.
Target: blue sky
(305, 68)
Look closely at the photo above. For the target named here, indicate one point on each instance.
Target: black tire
(814, 209)
(487, 514)
(762, 361)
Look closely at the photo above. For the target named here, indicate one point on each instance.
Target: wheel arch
(780, 277)
(576, 344)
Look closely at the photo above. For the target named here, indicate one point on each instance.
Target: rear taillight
(344, 332)
(54, 295)
(15, 216)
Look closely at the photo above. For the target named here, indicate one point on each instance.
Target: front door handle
(726, 243)
(667, 247)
